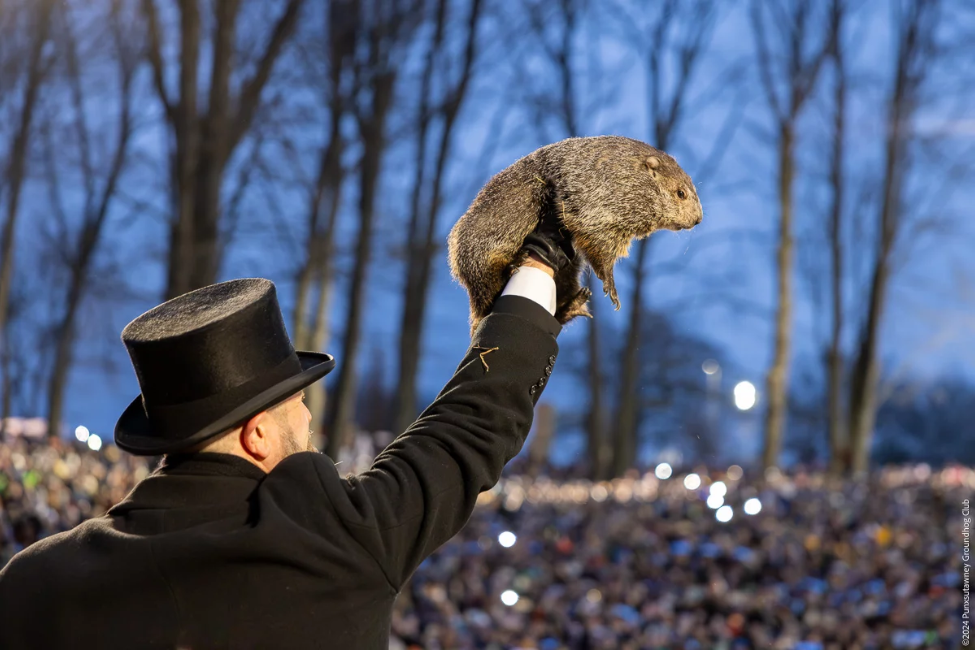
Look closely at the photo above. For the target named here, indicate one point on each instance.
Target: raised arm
(422, 488)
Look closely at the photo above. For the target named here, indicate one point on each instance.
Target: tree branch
(251, 93)
(154, 53)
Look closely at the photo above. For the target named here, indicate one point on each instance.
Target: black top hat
(207, 361)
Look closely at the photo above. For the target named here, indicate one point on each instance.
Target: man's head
(268, 437)
(209, 359)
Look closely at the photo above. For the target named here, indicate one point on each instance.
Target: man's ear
(255, 436)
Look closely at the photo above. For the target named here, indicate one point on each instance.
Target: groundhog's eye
(681, 194)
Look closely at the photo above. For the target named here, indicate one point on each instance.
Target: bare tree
(100, 182)
(314, 280)
(561, 101)
(421, 246)
(206, 134)
(682, 31)
(914, 25)
(838, 443)
(387, 23)
(788, 80)
(13, 165)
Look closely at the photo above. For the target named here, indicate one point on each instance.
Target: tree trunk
(538, 450)
(317, 334)
(596, 441)
(838, 443)
(864, 381)
(319, 341)
(373, 132)
(328, 186)
(915, 40)
(6, 387)
(777, 385)
(422, 251)
(96, 209)
(205, 142)
(626, 429)
(17, 165)
(411, 319)
(62, 363)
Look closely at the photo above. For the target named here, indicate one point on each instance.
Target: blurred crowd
(662, 559)
(645, 563)
(50, 486)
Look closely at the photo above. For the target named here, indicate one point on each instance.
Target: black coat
(211, 552)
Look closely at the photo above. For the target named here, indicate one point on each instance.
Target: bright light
(745, 395)
(710, 367)
(735, 472)
(753, 506)
(509, 598)
(692, 481)
(94, 442)
(599, 493)
(507, 539)
(663, 471)
(724, 514)
(81, 433)
(718, 488)
(715, 501)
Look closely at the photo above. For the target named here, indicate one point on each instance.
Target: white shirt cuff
(534, 284)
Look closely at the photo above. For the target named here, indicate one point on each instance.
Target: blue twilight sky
(723, 290)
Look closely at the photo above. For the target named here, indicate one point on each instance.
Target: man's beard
(291, 445)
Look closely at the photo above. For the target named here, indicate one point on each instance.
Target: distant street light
(745, 395)
(710, 367)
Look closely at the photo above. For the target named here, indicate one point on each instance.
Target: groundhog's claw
(575, 306)
(609, 289)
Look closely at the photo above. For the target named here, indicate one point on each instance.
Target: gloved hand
(551, 242)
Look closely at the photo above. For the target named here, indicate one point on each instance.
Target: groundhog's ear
(652, 163)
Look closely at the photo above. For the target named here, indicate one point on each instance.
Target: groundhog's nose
(699, 218)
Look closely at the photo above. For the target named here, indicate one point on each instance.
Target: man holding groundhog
(245, 537)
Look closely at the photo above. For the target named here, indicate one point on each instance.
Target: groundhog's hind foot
(602, 267)
(609, 289)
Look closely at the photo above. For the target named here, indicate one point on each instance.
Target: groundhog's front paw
(575, 306)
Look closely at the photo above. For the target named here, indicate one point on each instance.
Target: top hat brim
(135, 434)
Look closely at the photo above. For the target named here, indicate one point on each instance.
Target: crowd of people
(51, 485)
(658, 559)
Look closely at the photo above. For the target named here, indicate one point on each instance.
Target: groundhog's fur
(608, 191)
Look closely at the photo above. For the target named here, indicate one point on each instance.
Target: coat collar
(209, 464)
(193, 481)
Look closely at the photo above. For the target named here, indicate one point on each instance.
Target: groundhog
(606, 191)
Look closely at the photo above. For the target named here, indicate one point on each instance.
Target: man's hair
(224, 442)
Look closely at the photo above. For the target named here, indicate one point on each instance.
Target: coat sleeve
(421, 489)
